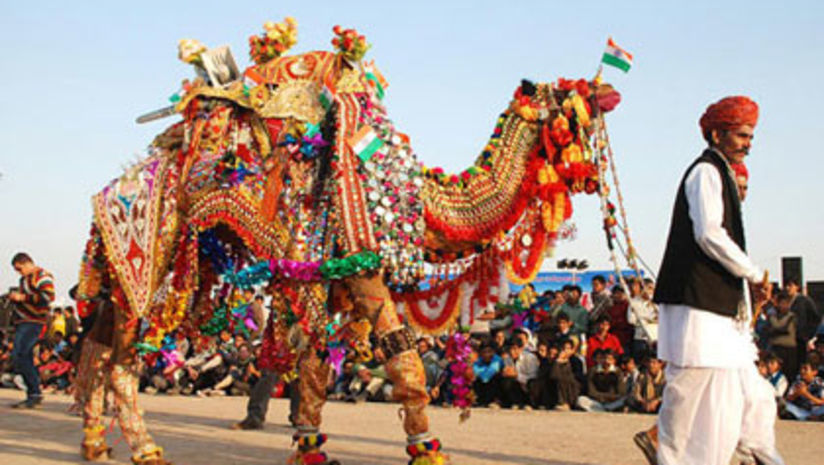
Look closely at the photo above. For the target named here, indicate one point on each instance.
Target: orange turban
(729, 112)
(740, 170)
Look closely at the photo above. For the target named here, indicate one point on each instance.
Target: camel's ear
(527, 88)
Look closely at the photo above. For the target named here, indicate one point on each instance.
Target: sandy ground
(195, 431)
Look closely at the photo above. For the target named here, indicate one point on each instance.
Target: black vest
(689, 276)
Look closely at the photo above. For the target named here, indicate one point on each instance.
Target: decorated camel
(292, 177)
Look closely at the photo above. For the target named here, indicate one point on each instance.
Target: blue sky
(76, 75)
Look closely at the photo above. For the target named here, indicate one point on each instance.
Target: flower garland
(276, 39)
(447, 312)
(533, 243)
(299, 271)
(458, 352)
(350, 44)
(339, 268)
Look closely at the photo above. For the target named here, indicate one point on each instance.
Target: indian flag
(328, 93)
(365, 142)
(252, 79)
(616, 56)
(375, 79)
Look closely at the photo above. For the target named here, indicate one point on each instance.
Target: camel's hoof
(96, 452)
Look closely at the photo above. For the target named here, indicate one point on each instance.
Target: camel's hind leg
(124, 384)
(91, 389)
(372, 299)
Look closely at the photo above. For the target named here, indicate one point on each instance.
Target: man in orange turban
(742, 177)
(715, 403)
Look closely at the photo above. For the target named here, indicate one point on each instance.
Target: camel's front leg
(372, 299)
(313, 374)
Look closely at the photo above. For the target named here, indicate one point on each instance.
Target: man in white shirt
(642, 313)
(715, 403)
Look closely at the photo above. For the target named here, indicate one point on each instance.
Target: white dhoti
(708, 413)
(715, 401)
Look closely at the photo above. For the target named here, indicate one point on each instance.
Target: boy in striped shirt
(32, 300)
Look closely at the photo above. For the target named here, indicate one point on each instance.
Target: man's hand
(434, 392)
(762, 291)
(509, 372)
(17, 296)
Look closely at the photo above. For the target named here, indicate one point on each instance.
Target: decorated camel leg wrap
(124, 382)
(371, 298)
(91, 382)
(312, 376)
(90, 387)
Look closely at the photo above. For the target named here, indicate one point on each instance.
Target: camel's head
(568, 113)
(579, 99)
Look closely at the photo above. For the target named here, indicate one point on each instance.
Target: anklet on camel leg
(309, 443)
(425, 450)
(153, 455)
(94, 447)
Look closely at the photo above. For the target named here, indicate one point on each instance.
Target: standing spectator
(258, 315)
(566, 373)
(57, 323)
(577, 313)
(648, 392)
(643, 315)
(618, 312)
(807, 317)
(565, 331)
(545, 326)
(606, 391)
(602, 340)
(32, 299)
(557, 304)
(805, 400)
(782, 335)
(775, 376)
(487, 384)
(601, 299)
(72, 323)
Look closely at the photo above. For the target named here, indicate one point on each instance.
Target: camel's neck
(489, 196)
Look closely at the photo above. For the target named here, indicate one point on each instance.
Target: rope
(630, 252)
(602, 194)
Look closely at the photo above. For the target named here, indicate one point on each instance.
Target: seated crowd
(552, 353)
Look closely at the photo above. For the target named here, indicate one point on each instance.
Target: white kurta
(689, 337)
(715, 401)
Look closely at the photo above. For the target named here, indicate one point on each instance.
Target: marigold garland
(350, 44)
(448, 314)
(276, 39)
